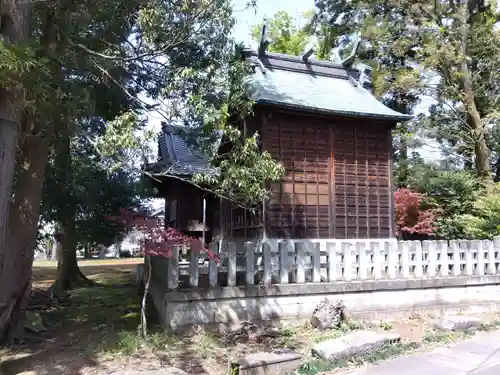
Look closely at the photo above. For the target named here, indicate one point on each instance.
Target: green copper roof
(305, 89)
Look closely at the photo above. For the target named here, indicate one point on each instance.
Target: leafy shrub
(453, 191)
(413, 217)
(483, 221)
(454, 194)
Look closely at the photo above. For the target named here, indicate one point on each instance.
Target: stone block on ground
(458, 323)
(328, 314)
(353, 344)
(268, 363)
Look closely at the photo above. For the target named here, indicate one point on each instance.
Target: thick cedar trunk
(481, 152)
(15, 29)
(69, 275)
(17, 259)
(8, 145)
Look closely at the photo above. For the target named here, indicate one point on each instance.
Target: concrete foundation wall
(282, 279)
(369, 299)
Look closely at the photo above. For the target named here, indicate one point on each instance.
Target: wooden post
(204, 219)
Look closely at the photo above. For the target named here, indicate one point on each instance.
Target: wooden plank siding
(337, 181)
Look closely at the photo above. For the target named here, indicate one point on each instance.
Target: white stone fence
(328, 261)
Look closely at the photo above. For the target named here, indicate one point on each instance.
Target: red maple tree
(158, 240)
(411, 216)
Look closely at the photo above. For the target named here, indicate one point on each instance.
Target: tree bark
(17, 257)
(8, 145)
(14, 29)
(86, 250)
(53, 250)
(481, 151)
(69, 275)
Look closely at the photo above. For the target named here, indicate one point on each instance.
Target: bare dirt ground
(94, 331)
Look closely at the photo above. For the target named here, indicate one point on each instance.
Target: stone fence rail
(317, 261)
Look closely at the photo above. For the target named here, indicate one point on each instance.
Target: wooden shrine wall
(338, 177)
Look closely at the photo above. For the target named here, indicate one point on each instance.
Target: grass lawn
(101, 270)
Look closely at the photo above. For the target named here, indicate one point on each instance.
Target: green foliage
(453, 193)
(242, 171)
(16, 61)
(286, 36)
(455, 46)
(220, 107)
(483, 221)
(124, 142)
(116, 54)
(85, 189)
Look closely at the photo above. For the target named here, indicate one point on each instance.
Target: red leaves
(158, 240)
(411, 216)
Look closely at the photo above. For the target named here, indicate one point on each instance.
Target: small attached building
(333, 138)
(187, 207)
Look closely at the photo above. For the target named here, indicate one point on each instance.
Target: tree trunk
(53, 250)
(69, 275)
(14, 29)
(481, 151)
(86, 250)
(8, 145)
(17, 257)
(118, 247)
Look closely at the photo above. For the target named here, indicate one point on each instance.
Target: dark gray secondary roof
(178, 158)
(313, 85)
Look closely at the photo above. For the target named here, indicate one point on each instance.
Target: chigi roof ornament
(347, 52)
(264, 41)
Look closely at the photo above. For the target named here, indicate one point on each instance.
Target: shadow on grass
(99, 324)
